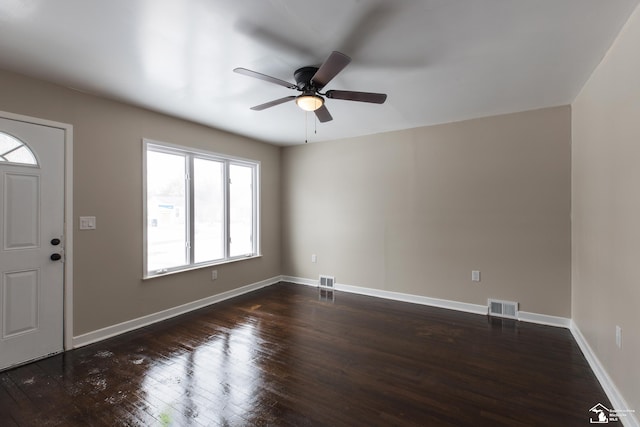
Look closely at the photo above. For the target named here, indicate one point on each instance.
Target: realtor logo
(599, 414)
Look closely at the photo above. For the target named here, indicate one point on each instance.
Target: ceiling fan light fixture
(309, 101)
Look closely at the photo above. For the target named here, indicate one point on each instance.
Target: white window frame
(191, 153)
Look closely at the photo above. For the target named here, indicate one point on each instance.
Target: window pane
(166, 211)
(21, 155)
(14, 151)
(208, 180)
(241, 210)
(8, 143)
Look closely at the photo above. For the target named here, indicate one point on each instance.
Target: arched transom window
(12, 150)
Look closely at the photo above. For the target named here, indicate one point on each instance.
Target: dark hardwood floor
(286, 356)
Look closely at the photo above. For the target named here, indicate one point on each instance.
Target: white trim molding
(140, 322)
(544, 319)
(524, 316)
(396, 296)
(618, 402)
(300, 281)
(415, 299)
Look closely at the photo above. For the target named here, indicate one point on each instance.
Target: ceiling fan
(310, 81)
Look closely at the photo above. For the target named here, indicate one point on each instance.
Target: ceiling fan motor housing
(303, 78)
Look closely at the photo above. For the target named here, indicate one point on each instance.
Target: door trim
(68, 217)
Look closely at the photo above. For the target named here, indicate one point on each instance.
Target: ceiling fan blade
(323, 114)
(348, 95)
(273, 39)
(264, 77)
(330, 68)
(273, 103)
(369, 24)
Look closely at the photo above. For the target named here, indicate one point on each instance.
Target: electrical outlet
(314, 258)
(214, 274)
(618, 336)
(475, 276)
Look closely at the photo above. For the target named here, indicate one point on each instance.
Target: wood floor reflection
(289, 356)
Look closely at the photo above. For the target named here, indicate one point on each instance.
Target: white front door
(31, 239)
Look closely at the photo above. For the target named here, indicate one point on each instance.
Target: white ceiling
(438, 60)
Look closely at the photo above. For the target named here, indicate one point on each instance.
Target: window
(201, 208)
(12, 150)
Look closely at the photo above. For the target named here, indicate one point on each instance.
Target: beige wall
(606, 211)
(108, 184)
(415, 211)
(411, 211)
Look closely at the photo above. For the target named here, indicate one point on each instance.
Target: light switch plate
(87, 223)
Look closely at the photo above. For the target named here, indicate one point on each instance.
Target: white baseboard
(544, 319)
(618, 402)
(524, 316)
(396, 296)
(300, 280)
(130, 325)
(415, 299)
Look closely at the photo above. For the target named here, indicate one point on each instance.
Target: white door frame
(68, 216)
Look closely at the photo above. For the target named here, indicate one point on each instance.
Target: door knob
(55, 257)
(55, 242)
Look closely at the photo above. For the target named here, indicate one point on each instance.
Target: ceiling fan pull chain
(306, 116)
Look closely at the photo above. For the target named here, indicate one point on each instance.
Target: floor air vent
(326, 281)
(503, 308)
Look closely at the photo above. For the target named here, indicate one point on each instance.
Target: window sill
(199, 267)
